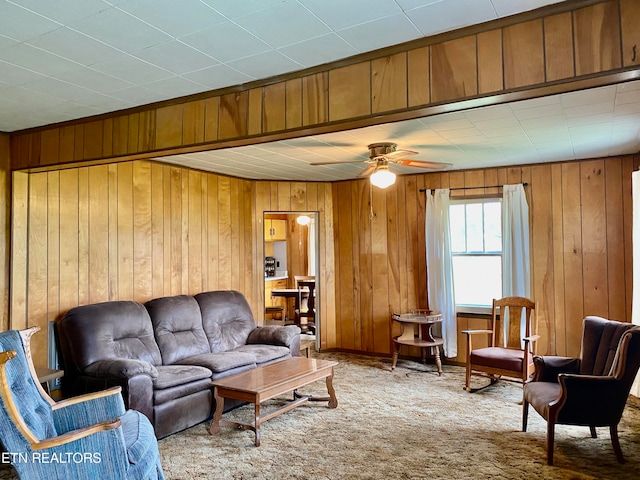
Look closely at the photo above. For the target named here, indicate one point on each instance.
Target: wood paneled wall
(580, 247)
(141, 230)
(5, 236)
(412, 80)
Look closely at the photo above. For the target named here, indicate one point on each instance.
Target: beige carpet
(407, 424)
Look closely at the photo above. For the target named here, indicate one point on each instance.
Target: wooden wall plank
(120, 135)
(254, 120)
(146, 131)
(293, 103)
(126, 288)
(159, 265)
(176, 230)
(418, 86)
(233, 115)
(195, 233)
(98, 234)
(630, 19)
(169, 126)
(558, 36)
(53, 246)
(133, 133)
(69, 266)
(454, 69)
(193, 123)
(93, 132)
(83, 235)
(274, 112)
(50, 146)
(350, 91)
(614, 204)
(523, 54)
(315, 95)
(142, 232)
(19, 250)
(389, 83)
(597, 38)
(490, 72)
(211, 118)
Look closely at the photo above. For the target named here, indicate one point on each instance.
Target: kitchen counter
(281, 277)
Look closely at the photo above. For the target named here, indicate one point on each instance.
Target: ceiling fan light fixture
(382, 177)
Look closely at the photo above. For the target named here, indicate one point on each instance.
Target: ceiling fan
(381, 155)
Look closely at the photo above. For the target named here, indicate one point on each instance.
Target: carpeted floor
(406, 424)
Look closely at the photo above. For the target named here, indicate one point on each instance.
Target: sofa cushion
(221, 362)
(119, 329)
(179, 391)
(263, 353)
(172, 375)
(274, 335)
(177, 324)
(226, 318)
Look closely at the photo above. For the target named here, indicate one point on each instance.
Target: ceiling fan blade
(369, 170)
(399, 153)
(422, 164)
(315, 164)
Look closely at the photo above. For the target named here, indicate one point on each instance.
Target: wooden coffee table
(264, 383)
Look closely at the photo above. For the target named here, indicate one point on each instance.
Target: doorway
(291, 253)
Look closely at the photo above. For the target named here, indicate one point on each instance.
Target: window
(476, 247)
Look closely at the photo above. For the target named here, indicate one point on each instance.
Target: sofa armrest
(120, 368)
(274, 335)
(548, 367)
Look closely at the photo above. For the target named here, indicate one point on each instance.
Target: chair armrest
(548, 367)
(473, 332)
(596, 400)
(274, 335)
(120, 368)
(77, 434)
(531, 338)
(89, 409)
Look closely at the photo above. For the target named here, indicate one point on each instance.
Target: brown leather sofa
(165, 353)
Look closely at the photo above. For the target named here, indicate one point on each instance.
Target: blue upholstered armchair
(90, 436)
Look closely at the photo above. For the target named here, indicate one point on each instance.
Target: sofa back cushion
(600, 341)
(100, 331)
(177, 324)
(226, 318)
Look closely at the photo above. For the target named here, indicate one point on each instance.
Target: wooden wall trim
(443, 73)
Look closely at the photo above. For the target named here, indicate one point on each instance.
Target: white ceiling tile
(6, 42)
(21, 24)
(379, 33)
(264, 65)
(226, 42)
(64, 11)
(32, 99)
(504, 131)
(133, 70)
(267, 24)
(319, 50)
(340, 14)
(137, 94)
(590, 109)
(628, 96)
(448, 15)
(120, 30)
(74, 46)
(57, 88)
(235, 9)
(594, 95)
(92, 79)
(559, 121)
(105, 103)
(176, 18)
(15, 75)
(176, 57)
(589, 119)
(511, 7)
(538, 112)
(34, 59)
(217, 76)
(175, 87)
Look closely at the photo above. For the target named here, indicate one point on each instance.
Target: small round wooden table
(416, 332)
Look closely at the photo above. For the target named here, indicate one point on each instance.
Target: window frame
(467, 308)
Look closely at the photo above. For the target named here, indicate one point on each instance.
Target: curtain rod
(525, 184)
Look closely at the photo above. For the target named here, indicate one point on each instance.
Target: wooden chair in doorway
(306, 308)
(509, 355)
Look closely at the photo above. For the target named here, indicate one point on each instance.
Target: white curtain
(516, 280)
(635, 301)
(515, 242)
(440, 268)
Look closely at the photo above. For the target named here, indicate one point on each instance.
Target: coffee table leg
(333, 400)
(215, 424)
(257, 423)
